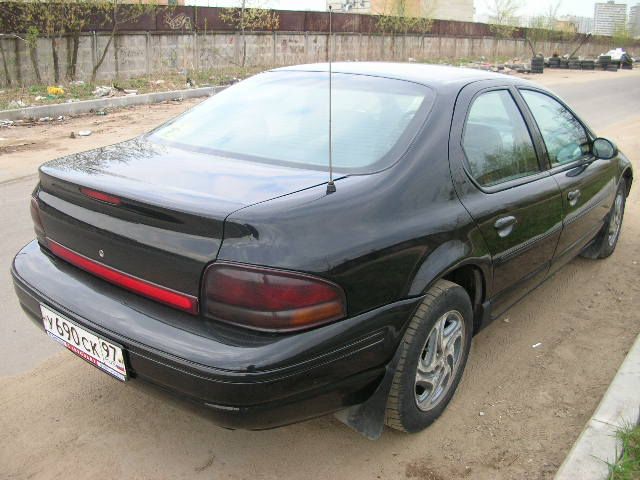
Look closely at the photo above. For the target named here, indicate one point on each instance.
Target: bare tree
(402, 16)
(502, 19)
(542, 27)
(118, 13)
(503, 12)
(249, 16)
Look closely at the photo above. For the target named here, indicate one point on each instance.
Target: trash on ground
(103, 91)
(130, 92)
(6, 123)
(536, 345)
(55, 91)
(482, 414)
(45, 119)
(84, 133)
(157, 82)
(17, 104)
(77, 82)
(101, 112)
(39, 97)
(60, 118)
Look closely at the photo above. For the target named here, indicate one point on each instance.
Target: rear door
(504, 184)
(587, 183)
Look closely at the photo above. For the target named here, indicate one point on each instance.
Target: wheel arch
(454, 261)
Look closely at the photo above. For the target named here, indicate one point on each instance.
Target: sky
(529, 7)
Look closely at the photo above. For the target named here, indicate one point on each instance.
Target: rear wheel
(433, 355)
(605, 242)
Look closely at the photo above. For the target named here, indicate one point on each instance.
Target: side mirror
(604, 149)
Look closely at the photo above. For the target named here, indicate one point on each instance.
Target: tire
(411, 406)
(605, 242)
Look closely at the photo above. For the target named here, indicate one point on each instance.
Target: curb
(597, 445)
(86, 106)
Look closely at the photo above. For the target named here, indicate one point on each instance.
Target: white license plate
(89, 346)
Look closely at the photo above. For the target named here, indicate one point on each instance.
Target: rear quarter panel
(381, 237)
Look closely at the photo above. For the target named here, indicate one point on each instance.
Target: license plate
(94, 349)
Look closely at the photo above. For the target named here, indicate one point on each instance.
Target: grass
(628, 466)
(37, 94)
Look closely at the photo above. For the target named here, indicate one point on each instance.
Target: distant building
(350, 6)
(634, 20)
(582, 24)
(609, 18)
(461, 10)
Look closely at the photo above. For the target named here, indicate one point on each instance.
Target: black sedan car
(208, 257)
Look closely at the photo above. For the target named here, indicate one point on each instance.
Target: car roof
(435, 76)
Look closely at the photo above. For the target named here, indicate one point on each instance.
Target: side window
(564, 136)
(496, 140)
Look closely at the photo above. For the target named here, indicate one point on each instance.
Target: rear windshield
(283, 117)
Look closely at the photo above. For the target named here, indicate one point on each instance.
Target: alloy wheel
(616, 219)
(439, 360)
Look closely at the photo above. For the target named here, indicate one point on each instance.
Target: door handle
(504, 225)
(573, 196)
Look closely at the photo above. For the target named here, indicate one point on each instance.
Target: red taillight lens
(160, 294)
(35, 216)
(101, 196)
(269, 299)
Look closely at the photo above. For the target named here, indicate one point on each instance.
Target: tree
(542, 27)
(77, 15)
(503, 17)
(19, 20)
(401, 16)
(117, 13)
(247, 17)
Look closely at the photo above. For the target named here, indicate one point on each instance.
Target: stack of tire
(588, 64)
(564, 63)
(604, 62)
(554, 62)
(574, 64)
(537, 64)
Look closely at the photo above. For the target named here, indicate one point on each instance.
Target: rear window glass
(283, 117)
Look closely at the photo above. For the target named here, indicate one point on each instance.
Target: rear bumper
(246, 379)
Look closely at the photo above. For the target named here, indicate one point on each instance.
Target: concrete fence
(141, 54)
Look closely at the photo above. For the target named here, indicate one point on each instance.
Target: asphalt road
(601, 103)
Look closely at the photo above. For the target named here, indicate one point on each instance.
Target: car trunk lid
(167, 218)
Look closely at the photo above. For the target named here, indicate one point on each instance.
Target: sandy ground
(62, 417)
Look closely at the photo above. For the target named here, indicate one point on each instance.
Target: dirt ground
(517, 412)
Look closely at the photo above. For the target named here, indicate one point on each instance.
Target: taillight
(174, 299)
(37, 221)
(269, 299)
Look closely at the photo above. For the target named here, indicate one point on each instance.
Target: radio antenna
(331, 187)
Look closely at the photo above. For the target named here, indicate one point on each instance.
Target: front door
(587, 183)
(506, 188)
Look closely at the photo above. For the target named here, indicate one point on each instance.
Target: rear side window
(496, 140)
(283, 117)
(564, 136)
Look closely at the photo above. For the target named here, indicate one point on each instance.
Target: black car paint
(384, 237)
